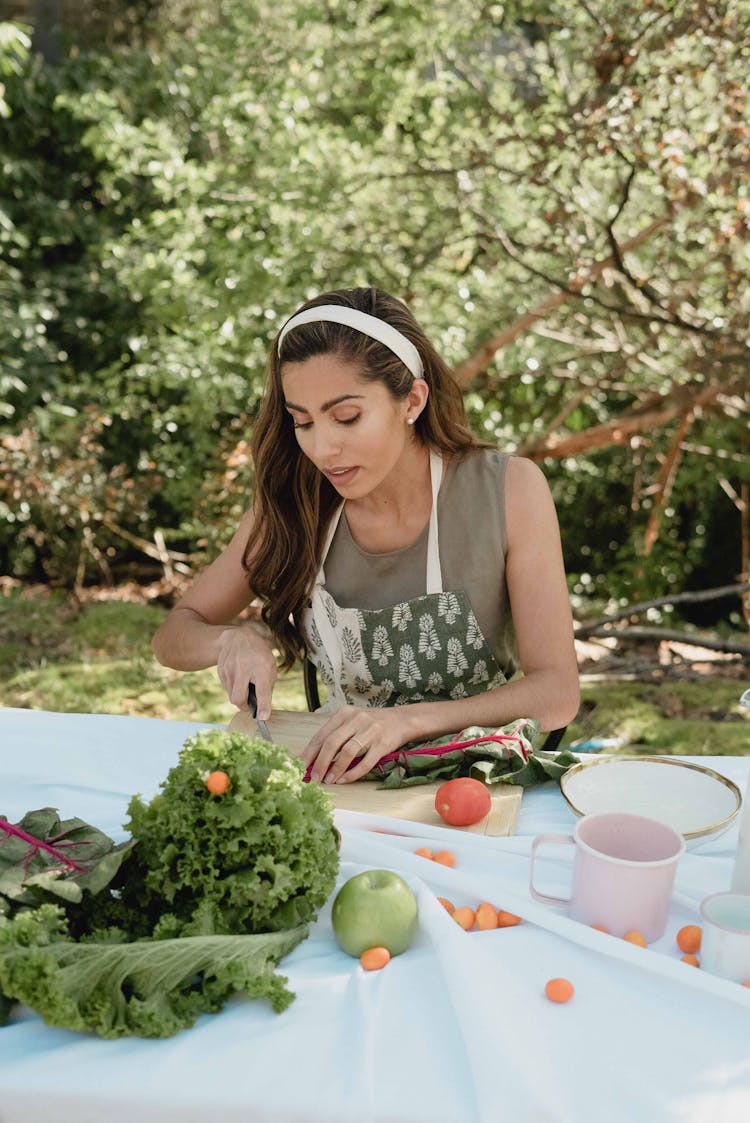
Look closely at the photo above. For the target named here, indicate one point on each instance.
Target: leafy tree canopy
(559, 190)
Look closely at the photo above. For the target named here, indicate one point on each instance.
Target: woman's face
(355, 432)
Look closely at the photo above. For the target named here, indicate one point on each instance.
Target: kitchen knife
(252, 702)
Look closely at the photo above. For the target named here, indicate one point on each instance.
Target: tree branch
(648, 635)
(619, 430)
(665, 482)
(594, 627)
(469, 368)
(639, 285)
(158, 552)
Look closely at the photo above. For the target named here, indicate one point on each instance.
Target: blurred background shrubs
(559, 190)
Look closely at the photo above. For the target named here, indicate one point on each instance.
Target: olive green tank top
(473, 545)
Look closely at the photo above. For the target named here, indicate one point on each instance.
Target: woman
(415, 566)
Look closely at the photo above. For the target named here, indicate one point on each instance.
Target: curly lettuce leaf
(261, 857)
(147, 988)
(44, 855)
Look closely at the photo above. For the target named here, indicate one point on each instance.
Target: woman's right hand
(244, 657)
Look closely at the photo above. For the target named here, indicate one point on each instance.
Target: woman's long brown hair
(294, 501)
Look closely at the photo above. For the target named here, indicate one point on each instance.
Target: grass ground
(95, 657)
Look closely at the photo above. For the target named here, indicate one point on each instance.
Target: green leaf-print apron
(430, 648)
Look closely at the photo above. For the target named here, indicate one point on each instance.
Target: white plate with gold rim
(694, 800)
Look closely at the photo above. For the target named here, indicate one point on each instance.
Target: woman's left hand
(356, 731)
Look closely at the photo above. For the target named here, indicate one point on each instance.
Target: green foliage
(699, 718)
(58, 654)
(174, 195)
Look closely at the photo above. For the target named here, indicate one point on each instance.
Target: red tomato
(462, 802)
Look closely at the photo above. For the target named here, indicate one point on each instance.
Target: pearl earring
(410, 420)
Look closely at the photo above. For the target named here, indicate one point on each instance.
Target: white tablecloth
(457, 1030)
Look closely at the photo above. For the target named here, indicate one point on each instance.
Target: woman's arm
(202, 629)
(542, 618)
(539, 600)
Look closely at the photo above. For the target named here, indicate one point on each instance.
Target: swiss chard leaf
(495, 756)
(43, 856)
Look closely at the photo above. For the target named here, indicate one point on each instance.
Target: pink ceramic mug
(623, 872)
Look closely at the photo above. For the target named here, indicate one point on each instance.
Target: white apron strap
(434, 572)
(317, 615)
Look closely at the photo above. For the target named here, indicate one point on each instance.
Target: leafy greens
(495, 756)
(43, 854)
(151, 988)
(202, 901)
(262, 857)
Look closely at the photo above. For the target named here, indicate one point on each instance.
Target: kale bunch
(148, 988)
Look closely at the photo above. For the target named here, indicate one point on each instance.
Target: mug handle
(561, 839)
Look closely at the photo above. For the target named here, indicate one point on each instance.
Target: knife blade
(252, 702)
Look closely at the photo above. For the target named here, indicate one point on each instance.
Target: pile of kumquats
(487, 916)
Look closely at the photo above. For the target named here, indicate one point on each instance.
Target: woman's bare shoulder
(527, 494)
(523, 472)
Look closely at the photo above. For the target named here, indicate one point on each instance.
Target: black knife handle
(252, 699)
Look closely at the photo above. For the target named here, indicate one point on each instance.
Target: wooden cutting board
(416, 804)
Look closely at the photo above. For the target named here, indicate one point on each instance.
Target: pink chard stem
(37, 844)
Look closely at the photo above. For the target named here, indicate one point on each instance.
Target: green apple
(374, 909)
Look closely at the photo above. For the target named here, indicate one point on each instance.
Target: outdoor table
(456, 1030)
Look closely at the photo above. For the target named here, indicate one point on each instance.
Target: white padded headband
(368, 325)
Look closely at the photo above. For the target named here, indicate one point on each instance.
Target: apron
(429, 648)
